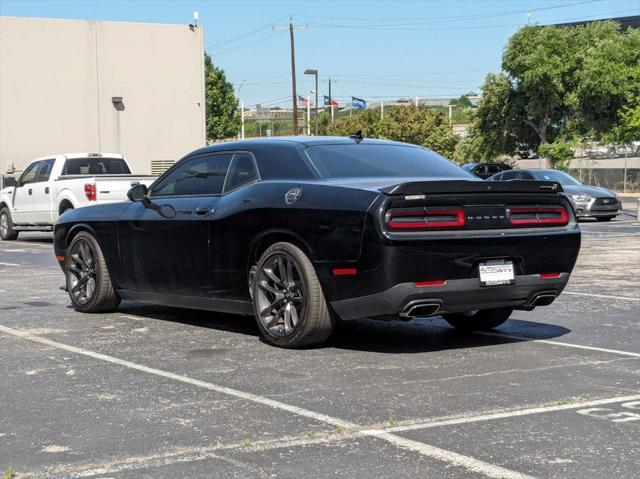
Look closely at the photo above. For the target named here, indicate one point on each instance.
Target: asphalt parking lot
(150, 392)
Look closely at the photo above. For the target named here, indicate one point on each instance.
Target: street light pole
(313, 71)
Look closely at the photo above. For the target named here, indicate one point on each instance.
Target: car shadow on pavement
(394, 337)
(40, 239)
(431, 334)
(194, 317)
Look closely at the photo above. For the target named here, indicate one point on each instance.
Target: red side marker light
(549, 275)
(437, 282)
(345, 271)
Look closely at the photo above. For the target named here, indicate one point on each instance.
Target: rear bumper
(454, 296)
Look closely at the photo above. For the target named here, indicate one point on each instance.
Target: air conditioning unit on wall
(160, 166)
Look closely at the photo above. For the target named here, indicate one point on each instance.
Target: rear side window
(242, 171)
(510, 175)
(526, 176)
(283, 161)
(497, 177)
(45, 170)
(203, 175)
(95, 166)
(381, 161)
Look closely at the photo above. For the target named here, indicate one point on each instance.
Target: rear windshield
(559, 176)
(381, 161)
(96, 166)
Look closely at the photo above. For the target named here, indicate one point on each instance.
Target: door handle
(30, 191)
(203, 211)
(46, 190)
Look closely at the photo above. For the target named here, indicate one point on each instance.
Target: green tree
(222, 116)
(462, 102)
(608, 81)
(559, 152)
(558, 82)
(419, 125)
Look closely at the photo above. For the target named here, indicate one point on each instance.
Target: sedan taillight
(425, 218)
(531, 216)
(90, 191)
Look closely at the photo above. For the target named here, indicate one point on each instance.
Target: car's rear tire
(7, 233)
(478, 320)
(604, 218)
(288, 301)
(88, 281)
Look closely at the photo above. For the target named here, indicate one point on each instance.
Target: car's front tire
(7, 233)
(288, 301)
(88, 281)
(478, 320)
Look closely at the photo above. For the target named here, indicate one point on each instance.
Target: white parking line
(605, 296)
(450, 457)
(29, 243)
(509, 414)
(9, 264)
(559, 343)
(185, 455)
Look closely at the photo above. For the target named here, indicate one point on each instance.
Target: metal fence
(619, 174)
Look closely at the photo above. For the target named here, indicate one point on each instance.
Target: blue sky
(373, 49)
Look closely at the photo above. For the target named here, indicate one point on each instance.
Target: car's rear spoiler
(466, 186)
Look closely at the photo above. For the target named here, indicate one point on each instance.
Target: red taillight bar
(537, 220)
(424, 218)
(549, 275)
(424, 284)
(345, 271)
(90, 191)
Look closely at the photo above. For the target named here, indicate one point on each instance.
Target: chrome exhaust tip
(543, 300)
(420, 309)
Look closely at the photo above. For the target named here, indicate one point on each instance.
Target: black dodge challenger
(304, 232)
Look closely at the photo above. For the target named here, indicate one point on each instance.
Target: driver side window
(203, 175)
(29, 175)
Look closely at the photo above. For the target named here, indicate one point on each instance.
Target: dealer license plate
(496, 273)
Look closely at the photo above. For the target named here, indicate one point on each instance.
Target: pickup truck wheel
(88, 281)
(7, 233)
(288, 301)
(478, 320)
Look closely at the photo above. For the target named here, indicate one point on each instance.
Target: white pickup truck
(51, 185)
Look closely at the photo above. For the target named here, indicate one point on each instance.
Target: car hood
(594, 191)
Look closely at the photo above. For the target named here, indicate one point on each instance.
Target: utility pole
(308, 115)
(242, 119)
(381, 109)
(330, 81)
(294, 93)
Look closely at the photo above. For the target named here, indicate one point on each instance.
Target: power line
(460, 27)
(246, 34)
(245, 44)
(450, 17)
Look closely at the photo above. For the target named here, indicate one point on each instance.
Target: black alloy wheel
(288, 301)
(88, 282)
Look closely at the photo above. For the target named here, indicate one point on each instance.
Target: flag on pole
(302, 101)
(330, 101)
(358, 103)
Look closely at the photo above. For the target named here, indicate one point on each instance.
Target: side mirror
(138, 193)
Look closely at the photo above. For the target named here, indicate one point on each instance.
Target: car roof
(303, 141)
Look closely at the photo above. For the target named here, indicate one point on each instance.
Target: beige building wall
(58, 79)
